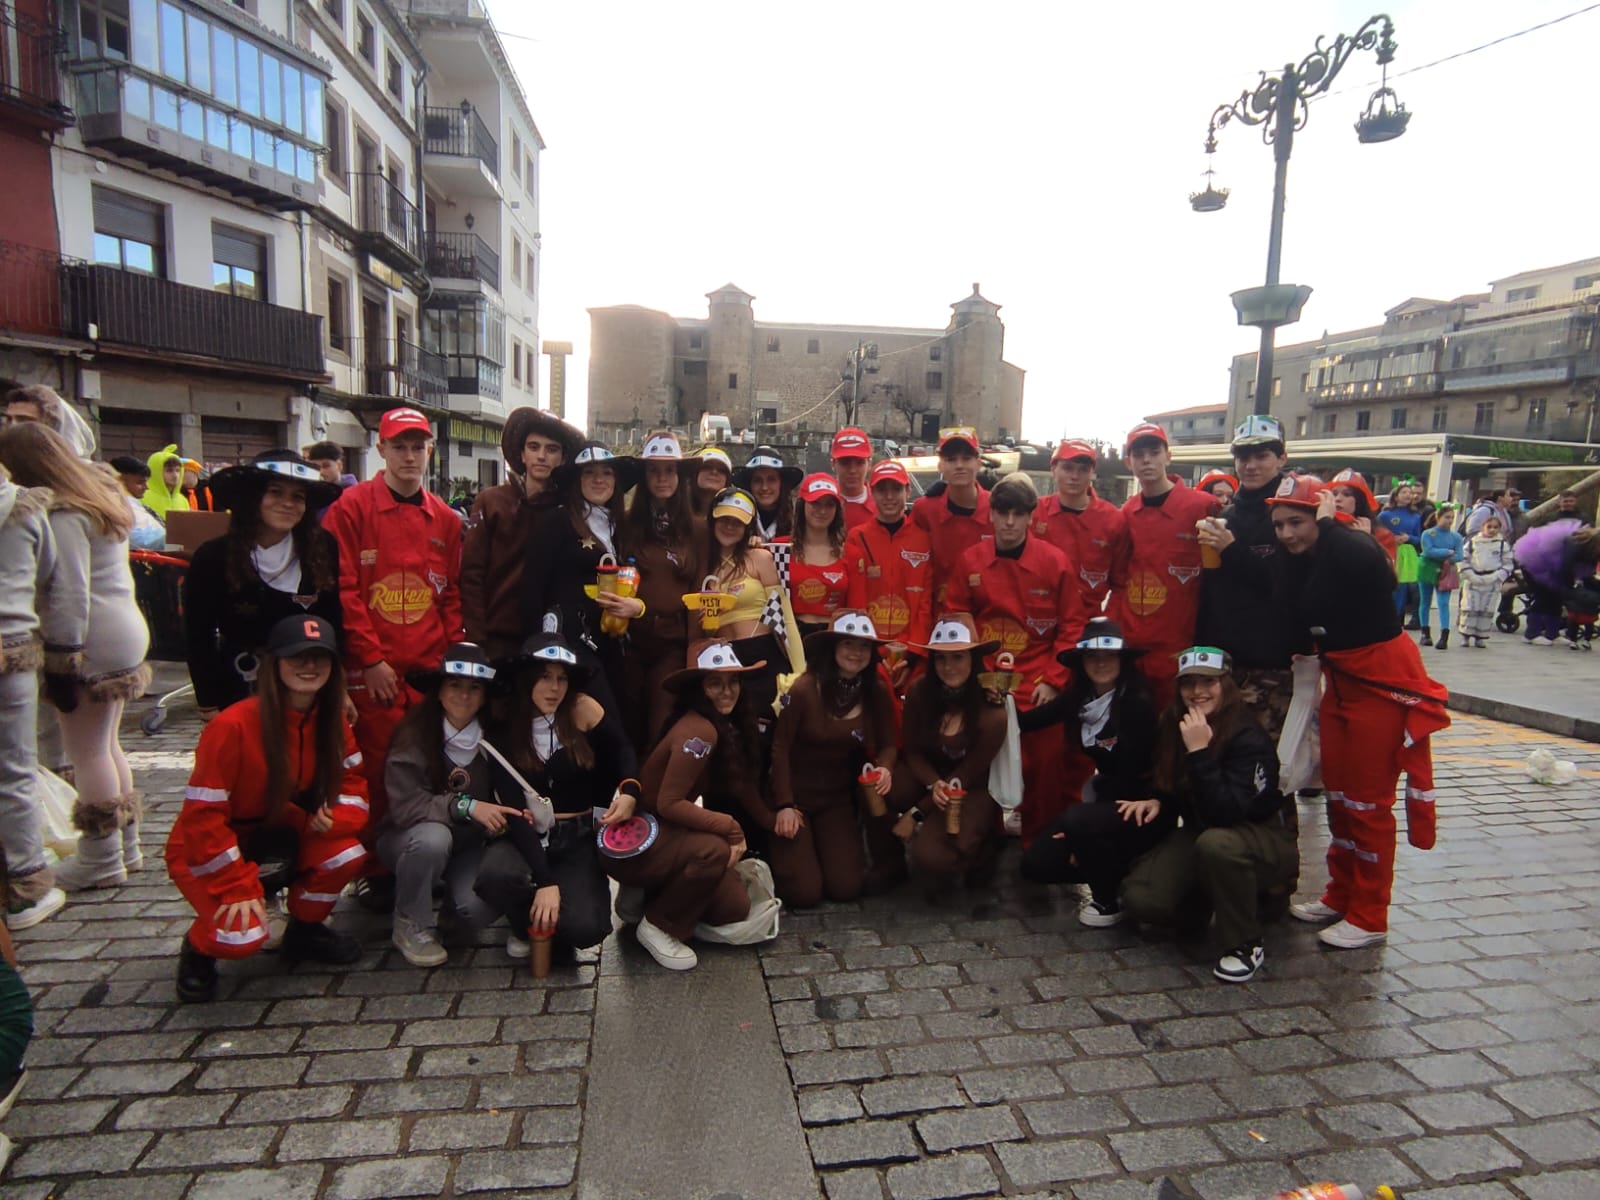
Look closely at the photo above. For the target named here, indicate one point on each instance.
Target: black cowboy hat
(766, 456)
(596, 454)
(236, 488)
(462, 660)
(540, 650)
(1101, 633)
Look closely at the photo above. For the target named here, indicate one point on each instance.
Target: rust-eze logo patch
(1013, 637)
(400, 598)
(890, 614)
(1146, 592)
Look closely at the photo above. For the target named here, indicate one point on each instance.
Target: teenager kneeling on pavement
(276, 799)
(1216, 768)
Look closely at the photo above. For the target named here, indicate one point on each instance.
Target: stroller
(1580, 608)
(1514, 602)
(158, 589)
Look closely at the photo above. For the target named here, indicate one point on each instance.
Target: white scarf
(461, 745)
(545, 741)
(278, 565)
(1093, 716)
(767, 529)
(599, 521)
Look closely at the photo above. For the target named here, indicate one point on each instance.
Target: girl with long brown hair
(275, 561)
(819, 573)
(276, 799)
(92, 677)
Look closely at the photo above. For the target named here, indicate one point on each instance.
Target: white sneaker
(420, 947)
(1012, 824)
(1100, 916)
(1314, 911)
(517, 946)
(1241, 965)
(27, 914)
(1544, 641)
(630, 905)
(1345, 936)
(664, 948)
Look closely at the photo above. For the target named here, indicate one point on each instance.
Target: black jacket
(1124, 751)
(1236, 609)
(1340, 595)
(1232, 784)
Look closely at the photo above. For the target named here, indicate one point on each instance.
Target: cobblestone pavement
(985, 1045)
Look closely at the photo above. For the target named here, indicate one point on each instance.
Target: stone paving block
(1107, 1075)
(1039, 1163)
(932, 1057)
(1082, 1114)
(291, 1104)
(1187, 1066)
(413, 1175)
(339, 1139)
(1240, 1181)
(1561, 1185)
(453, 1031)
(530, 1091)
(96, 1153)
(1457, 1110)
(848, 983)
(251, 1073)
(1190, 1103)
(550, 1026)
(1445, 1158)
(1462, 1069)
(1152, 1149)
(551, 1126)
(458, 1131)
(798, 1039)
(836, 1066)
(829, 1105)
(1548, 1097)
(492, 1170)
(139, 1046)
(1109, 1039)
(165, 1186)
(967, 1127)
(1358, 1163)
(1011, 1083)
(174, 1112)
(246, 1043)
(1534, 1058)
(209, 1148)
(1026, 1048)
(55, 1120)
(456, 1060)
(1288, 1136)
(985, 1023)
(1555, 1143)
(947, 1178)
(1282, 1053)
(1351, 1081)
(131, 1079)
(907, 1003)
(858, 1183)
(861, 1142)
(1468, 1191)
(370, 1036)
(910, 1094)
(890, 1031)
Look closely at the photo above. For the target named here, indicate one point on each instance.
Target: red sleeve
(349, 807)
(210, 848)
(854, 552)
(361, 643)
(958, 592)
(476, 537)
(919, 515)
(1070, 619)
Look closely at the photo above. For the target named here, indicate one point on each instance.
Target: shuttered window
(238, 262)
(129, 232)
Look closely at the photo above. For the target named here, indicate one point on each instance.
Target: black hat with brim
(767, 457)
(298, 635)
(1101, 633)
(236, 488)
(465, 661)
(625, 467)
(541, 650)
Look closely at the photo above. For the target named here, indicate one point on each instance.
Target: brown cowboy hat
(710, 656)
(955, 632)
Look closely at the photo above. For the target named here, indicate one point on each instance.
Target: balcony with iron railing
(474, 375)
(36, 300)
(461, 256)
(460, 133)
(396, 369)
(388, 220)
(30, 70)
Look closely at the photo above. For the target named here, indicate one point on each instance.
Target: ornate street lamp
(1279, 105)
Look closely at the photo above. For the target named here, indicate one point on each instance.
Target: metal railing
(36, 298)
(460, 132)
(471, 375)
(387, 212)
(461, 256)
(396, 368)
(30, 69)
(144, 313)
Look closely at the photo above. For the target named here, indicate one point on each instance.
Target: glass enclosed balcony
(1541, 348)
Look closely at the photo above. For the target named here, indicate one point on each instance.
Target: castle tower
(730, 355)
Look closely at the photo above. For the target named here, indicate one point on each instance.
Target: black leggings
(1091, 843)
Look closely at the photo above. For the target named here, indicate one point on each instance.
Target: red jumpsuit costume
(1155, 586)
(399, 571)
(891, 577)
(227, 790)
(816, 593)
(858, 512)
(952, 535)
(1029, 605)
(1092, 540)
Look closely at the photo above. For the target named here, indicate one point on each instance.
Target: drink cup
(956, 794)
(868, 783)
(896, 653)
(1210, 556)
(539, 941)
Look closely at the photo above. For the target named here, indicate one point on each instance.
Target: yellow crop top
(750, 600)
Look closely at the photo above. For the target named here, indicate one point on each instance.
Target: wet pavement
(1552, 688)
(983, 1045)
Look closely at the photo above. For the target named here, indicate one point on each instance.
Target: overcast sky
(866, 162)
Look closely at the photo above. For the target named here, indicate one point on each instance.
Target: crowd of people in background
(722, 687)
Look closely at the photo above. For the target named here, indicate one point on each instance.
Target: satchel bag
(762, 923)
(1005, 773)
(544, 813)
(1449, 577)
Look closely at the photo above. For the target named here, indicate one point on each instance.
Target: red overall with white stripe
(227, 794)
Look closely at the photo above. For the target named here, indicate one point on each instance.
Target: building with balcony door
(1520, 361)
(480, 174)
(648, 369)
(1190, 426)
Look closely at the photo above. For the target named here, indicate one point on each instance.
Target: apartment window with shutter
(516, 360)
(516, 259)
(335, 11)
(1441, 417)
(367, 40)
(935, 353)
(1330, 422)
(935, 381)
(130, 232)
(333, 166)
(394, 77)
(338, 314)
(1397, 418)
(696, 341)
(238, 262)
(516, 155)
(530, 280)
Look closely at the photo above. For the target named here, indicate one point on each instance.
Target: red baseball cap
(891, 471)
(959, 433)
(1139, 432)
(1075, 448)
(851, 442)
(403, 420)
(818, 485)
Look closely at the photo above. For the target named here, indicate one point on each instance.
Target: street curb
(1520, 714)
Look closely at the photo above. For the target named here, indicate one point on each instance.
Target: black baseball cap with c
(294, 636)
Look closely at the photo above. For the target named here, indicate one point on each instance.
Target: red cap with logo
(1075, 448)
(817, 486)
(959, 433)
(889, 471)
(851, 442)
(1140, 432)
(1298, 491)
(403, 420)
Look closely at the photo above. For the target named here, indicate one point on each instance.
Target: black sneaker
(315, 942)
(197, 975)
(1241, 965)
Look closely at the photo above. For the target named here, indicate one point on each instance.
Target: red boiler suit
(952, 535)
(1092, 540)
(891, 577)
(1155, 586)
(227, 790)
(399, 575)
(816, 593)
(1377, 715)
(858, 512)
(1029, 605)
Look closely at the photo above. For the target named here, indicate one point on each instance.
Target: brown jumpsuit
(929, 756)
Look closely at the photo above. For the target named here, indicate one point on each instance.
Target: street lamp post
(862, 360)
(1279, 104)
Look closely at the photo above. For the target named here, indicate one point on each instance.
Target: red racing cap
(1141, 432)
(1075, 448)
(851, 442)
(403, 420)
(889, 471)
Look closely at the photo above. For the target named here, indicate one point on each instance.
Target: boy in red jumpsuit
(957, 518)
(1092, 533)
(851, 452)
(1155, 587)
(1018, 590)
(891, 568)
(399, 570)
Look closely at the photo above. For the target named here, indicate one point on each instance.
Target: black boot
(197, 975)
(1427, 638)
(1444, 639)
(315, 942)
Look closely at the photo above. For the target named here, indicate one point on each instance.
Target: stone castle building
(649, 369)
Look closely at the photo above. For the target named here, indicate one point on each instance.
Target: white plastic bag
(56, 798)
(1300, 743)
(1545, 767)
(1005, 773)
(762, 923)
